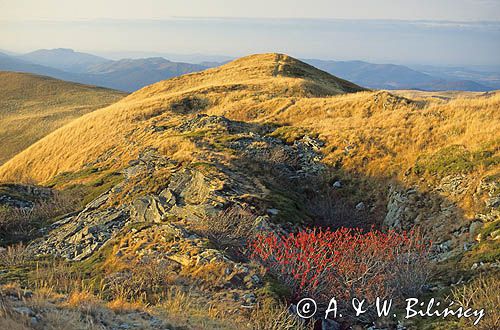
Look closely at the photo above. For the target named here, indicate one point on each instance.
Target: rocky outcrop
(437, 212)
(188, 193)
(441, 218)
(23, 196)
(77, 237)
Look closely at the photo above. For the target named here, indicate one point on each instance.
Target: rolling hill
(272, 79)
(15, 64)
(32, 106)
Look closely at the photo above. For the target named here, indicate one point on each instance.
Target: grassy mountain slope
(370, 134)
(257, 83)
(375, 135)
(33, 106)
(171, 182)
(390, 131)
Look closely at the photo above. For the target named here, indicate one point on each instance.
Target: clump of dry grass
(277, 317)
(481, 293)
(178, 148)
(177, 302)
(18, 224)
(229, 228)
(143, 281)
(13, 255)
(55, 276)
(8, 318)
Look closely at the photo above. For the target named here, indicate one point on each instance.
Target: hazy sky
(454, 31)
(457, 10)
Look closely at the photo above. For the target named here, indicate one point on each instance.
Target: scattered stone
(24, 311)
(360, 206)
(474, 229)
(337, 184)
(445, 246)
(495, 235)
(255, 279)
(273, 212)
(327, 324)
(453, 184)
(493, 202)
(249, 298)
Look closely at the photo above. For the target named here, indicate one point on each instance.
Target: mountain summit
(279, 69)
(251, 87)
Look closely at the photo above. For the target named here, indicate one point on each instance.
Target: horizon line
(170, 18)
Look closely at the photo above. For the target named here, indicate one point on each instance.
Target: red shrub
(346, 263)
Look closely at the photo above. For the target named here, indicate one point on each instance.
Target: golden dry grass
(481, 293)
(383, 133)
(32, 106)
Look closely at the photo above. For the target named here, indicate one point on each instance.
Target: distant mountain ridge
(391, 76)
(64, 59)
(132, 74)
(126, 75)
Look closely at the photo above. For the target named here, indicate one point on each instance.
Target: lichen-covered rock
(23, 196)
(407, 208)
(77, 237)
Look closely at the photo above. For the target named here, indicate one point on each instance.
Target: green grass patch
(454, 159)
(290, 134)
(290, 205)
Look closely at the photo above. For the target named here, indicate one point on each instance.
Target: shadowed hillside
(32, 106)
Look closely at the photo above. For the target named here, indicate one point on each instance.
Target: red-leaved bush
(346, 263)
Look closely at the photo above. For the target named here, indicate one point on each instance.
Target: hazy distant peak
(63, 59)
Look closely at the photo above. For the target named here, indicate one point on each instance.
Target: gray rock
(249, 298)
(24, 311)
(273, 212)
(337, 184)
(79, 236)
(360, 206)
(445, 246)
(330, 325)
(493, 202)
(255, 279)
(474, 229)
(149, 209)
(453, 184)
